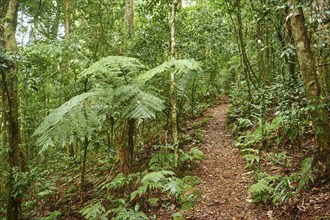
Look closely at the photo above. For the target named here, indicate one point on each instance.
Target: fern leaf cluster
(73, 120)
(121, 91)
(113, 69)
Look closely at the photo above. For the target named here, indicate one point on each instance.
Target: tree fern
(179, 66)
(114, 70)
(73, 120)
(83, 114)
(140, 105)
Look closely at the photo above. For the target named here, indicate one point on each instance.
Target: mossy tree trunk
(10, 98)
(308, 71)
(172, 86)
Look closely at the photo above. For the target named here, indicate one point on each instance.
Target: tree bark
(312, 87)
(83, 170)
(289, 40)
(130, 141)
(11, 109)
(172, 86)
(67, 18)
(130, 17)
(242, 49)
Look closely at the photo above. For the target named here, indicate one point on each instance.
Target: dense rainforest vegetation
(103, 100)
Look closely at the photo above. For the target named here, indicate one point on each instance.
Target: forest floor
(224, 180)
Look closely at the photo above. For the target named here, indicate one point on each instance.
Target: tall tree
(67, 18)
(172, 84)
(321, 121)
(130, 17)
(10, 100)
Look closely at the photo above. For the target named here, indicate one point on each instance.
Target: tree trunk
(130, 141)
(83, 170)
(307, 66)
(11, 109)
(242, 49)
(130, 17)
(289, 40)
(172, 87)
(67, 18)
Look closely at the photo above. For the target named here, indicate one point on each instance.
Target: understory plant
(269, 122)
(279, 189)
(139, 195)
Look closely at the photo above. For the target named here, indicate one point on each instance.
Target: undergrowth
(271, 125)
(139, 195)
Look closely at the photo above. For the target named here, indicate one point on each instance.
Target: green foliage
(119, 181)
(162, 160)
(251, 156)
(52, 216)
(159, 185)
(305, 175)
(140, 105)
(192, 155)
(84, 114)
(131, 214)
(201, 123)
(94, 211)
(263, 189)
(182, 69)
(279, 189)
(279, 159)
(151, 181)
(263, 132)
(70, 122)
(114, 70)
(277, 114)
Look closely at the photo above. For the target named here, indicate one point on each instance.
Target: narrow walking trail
(224, 180)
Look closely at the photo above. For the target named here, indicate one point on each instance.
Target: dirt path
(224, 181)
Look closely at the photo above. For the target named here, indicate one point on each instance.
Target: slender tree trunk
(67, 4)
(266, 73)
(321, 121)
(243, 57)
(130, 141)
(67, 18)
(130, 17)
(124, 152)
(11, 109)
(325, 73)
(172, 86)
(289, 40)
(83, 170)
(85, 148)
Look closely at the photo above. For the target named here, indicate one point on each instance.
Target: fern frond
(174, 187)
(113, 69)
(261, 186)
(306, 165)
(139, 105)
(73, 120)
(140, 191)
(179, 66)
(157, 176)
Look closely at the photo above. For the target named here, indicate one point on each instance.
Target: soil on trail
(224, 180)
